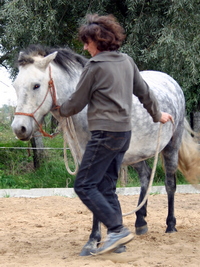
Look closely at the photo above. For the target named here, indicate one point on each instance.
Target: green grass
(16, 165)
(17, 171)
(159, 178)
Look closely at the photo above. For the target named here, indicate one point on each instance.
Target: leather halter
(51, 89)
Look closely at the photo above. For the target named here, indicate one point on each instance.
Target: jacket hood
(108, 56)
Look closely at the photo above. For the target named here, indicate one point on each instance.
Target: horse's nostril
(23, 129)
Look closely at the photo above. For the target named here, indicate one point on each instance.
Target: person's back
(110, 104)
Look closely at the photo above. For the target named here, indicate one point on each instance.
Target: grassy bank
(17, 171)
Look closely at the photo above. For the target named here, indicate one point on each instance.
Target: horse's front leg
(94, 239)
(144, 172)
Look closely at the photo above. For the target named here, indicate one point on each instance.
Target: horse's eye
(36, 86)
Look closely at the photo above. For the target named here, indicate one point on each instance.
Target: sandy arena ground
(50, 231)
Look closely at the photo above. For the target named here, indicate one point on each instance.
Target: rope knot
(50, 82)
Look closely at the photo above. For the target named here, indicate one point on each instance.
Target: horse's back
(168, 92)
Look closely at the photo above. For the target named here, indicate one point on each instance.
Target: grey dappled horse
(40, 67)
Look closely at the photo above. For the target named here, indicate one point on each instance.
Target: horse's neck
(64, 83)
(65, 86)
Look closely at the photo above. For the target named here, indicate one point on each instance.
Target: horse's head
(34, 98)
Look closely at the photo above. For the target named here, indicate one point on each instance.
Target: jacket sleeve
(80, 98)
(146, 95)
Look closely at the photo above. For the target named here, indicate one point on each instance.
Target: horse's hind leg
(94, 239)
(144, 172)
(170, 158)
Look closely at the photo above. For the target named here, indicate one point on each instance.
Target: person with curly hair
(106, 85)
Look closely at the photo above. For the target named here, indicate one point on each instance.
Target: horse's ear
(42, 63)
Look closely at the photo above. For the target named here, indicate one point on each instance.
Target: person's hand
(165, 117)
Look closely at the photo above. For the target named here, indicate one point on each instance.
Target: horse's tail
(189, 155)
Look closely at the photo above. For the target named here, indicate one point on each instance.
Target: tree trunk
(195, 123)
(123, 176)
(54, 124)
(38, 154)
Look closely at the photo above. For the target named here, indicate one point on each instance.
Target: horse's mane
(64, 58)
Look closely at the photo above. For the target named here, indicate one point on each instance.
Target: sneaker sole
(118, 243)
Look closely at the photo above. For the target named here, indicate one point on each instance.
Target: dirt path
(50, 231)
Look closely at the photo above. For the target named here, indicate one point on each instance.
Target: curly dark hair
(105, 31)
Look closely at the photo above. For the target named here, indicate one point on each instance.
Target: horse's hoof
(85, 252)
(141, 230)
(89, 251)
(120, 249)
(170, 230)
(89, 248)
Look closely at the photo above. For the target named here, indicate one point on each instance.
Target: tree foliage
(176, 51)
(161, 35)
